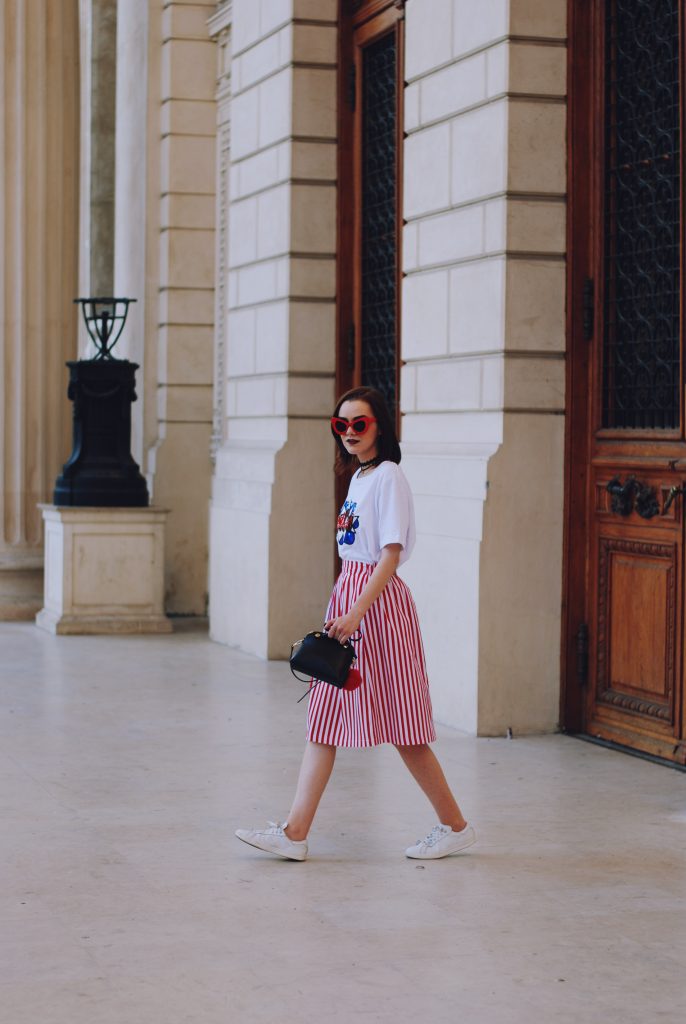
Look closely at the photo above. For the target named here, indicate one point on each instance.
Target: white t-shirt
(378, 511)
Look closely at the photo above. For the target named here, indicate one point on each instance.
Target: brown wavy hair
(387, 443)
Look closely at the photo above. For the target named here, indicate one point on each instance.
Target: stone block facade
(226, 206)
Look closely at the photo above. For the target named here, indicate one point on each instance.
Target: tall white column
(39, 105)
(270, 535)
(483, 344)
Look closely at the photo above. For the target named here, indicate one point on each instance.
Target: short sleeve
(394, 507)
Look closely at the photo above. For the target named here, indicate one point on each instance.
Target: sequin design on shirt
(347, 523)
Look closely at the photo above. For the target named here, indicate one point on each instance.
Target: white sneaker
(273, 839)
(442, 842)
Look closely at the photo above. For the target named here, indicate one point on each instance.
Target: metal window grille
(641, 357)
(379, 217)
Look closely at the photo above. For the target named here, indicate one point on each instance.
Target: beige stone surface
(538, 69)
(187, 117)
(321, 10)
(537, 156)
(187, 256)
(187, 20)
(21, 587)
(185, 403)
(539, 18)
(127, 763)
(536, 226)
(313, 219)
(315, 160)
(535, 382)
(186, 354)
(535, 317)
(314, 44)
(314, 102)
(188, 164)
(187, 211)
(39, 260)
(188, 68)
(519, 610)
(182, 484)
(104, 570)
(312, 278)
(312, 331)
(193, 306)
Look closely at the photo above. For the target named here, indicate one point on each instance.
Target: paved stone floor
(126, 764)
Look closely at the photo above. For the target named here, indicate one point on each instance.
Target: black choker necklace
(371, 462)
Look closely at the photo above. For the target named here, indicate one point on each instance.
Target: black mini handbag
(322, 658)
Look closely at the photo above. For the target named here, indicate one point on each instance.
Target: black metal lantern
(104, 317)
(101, 470)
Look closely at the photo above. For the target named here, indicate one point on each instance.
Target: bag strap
(308, 691)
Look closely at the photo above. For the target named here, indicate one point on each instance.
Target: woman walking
(375, 534)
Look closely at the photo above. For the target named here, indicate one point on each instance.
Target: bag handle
(355, 636)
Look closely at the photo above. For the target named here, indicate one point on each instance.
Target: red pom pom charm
(353, 681)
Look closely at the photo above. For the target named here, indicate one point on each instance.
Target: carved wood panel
(636, 627)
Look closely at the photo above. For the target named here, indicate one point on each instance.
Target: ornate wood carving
(633, 496)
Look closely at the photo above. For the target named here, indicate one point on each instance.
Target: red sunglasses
(360, 424)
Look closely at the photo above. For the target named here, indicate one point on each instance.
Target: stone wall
(483, 341)
(270, 529)
(164, 256)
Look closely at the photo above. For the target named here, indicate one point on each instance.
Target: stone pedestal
(104, 570)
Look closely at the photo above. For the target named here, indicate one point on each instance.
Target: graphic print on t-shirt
(347, 522)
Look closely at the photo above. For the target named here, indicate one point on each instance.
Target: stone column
(39, 104)
(98, 85)
(270, 534)
(164, 257)
(483, 341)
(180, 460)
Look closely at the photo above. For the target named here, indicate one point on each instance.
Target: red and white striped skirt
(393, 704)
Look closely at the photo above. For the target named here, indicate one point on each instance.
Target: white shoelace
(275, 828)
(436, 833)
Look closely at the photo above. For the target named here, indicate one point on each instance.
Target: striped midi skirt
(393, 704)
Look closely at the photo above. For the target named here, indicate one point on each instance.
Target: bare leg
(315, 771)
(427, 772)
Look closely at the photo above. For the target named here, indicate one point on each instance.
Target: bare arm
(343, 627)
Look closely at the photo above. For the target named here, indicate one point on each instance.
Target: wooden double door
(623, 665)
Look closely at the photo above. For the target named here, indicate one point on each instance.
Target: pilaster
(39, 148)
(179, 460)
(483, 345)
(269, 538)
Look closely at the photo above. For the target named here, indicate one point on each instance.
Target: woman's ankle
(292, 833)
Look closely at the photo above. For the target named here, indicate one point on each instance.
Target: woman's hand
(343, 627)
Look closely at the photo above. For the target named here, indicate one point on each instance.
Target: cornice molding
(221, 20)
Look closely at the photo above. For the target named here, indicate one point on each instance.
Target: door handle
(632, 495)
(674, 493)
